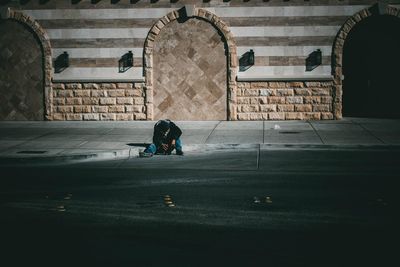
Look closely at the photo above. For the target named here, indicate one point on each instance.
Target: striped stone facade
(281, 33)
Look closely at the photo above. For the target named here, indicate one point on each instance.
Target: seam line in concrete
(263, 132)
(316, 132)
(205, 142)
(368, 131)
(258, 156)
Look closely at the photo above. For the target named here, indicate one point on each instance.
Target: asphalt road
(335, 207)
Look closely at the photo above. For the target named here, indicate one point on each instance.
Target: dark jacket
(160, 137)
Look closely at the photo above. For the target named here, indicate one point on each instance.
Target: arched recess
(338, 49)
(232, 61)
(42, 37)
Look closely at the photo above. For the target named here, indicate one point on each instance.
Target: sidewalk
(92, 139)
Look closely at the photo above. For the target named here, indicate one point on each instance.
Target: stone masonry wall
(284, 100)
(98, 101)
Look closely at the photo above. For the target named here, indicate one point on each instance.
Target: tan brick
(302, 92)
(257, 85)
(82, 109)
(284, 92)
(320, 91)
(90, 101)
(54, 93)
(285, 108)
(140, 116)
(108, 101)
(268, 108)
(91, 117)
(73, 86)
(107, 117)
(73, 101)
(124, 85)
(312, 99)
(312, 116)
(276, 116)
(99, 109)
(322, 108)
(58, 116)
(294, 116)
(65, 109)
(243, 85)
(326, 116)
(303, 108)
(294, 100)
(124, 117)
(256, 116)
(138, 101)
(133, 92)
(115, 93)
(60, 86)
(249, 108)
(82, 93)
(91, 86)
(65, 93)
(263, 100)
(73, 117)
(296, 84)
(243, 100)
(108, 86)
(243, 116)
(313, 84)
(277, 85)
(251, 92)
(276, 100)
(116, 109)
(267, 92)
(125, 100)
(99, 93)
(58, 101)
(326, 100)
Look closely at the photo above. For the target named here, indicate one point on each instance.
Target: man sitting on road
(165, 139)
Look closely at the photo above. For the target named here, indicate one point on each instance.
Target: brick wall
(98, 101)
(284, 101)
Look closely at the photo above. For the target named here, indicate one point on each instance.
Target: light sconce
(61, 62)
(314, 60)
(126, 62)
(247, 60)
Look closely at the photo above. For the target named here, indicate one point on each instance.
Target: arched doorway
(371, 57)
(21, 73)
(190, 72)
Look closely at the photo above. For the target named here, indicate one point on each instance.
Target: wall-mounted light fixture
(314, 60)
(61, 62)
(126, 62)
(247, 60)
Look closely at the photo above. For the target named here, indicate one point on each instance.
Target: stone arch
(232, 63)
(44, 42)
(338, 46)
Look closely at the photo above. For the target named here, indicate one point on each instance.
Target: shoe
(144, 154)
(179, 152)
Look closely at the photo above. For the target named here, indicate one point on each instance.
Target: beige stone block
(326, 99)
(58, 116)
(91, 117)
(60, 86)
(276, 100)
(124, 117)
(65, 109)
(313, 84)
(268, 92)
(284, 92)
(277, 85)
(262, 100)
(73, 86)
(258, 85)
(249, 108)
(58, 101)
(312, 116)
(90, 101)
(108, 101)
(107, 117)
(320, 91)
(124, 85)
(125, 100)
(276, 116)
(116, 93)
(285, 108)
(256, 116)
(116, 109)
(138, 101)
(73, 117)
(65, 93)
(140, 116)
(99, 109)
(94, 86)
(294, 116)
(243, 85)
(322, 108)
(54, 93)
(294, 99)
(82, 93)
(243, 100)
(268, 108)
(243, 116)
(134, 109)
(99, 93)
(303, 108)
(73, 101)
(326, 116)
(312, 99)
(108, 86)
(302, 92)
(82, 109)
(296, 84)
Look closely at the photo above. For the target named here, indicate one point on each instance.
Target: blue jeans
(153, 149)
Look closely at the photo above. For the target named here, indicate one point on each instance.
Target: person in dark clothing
(166, 138)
